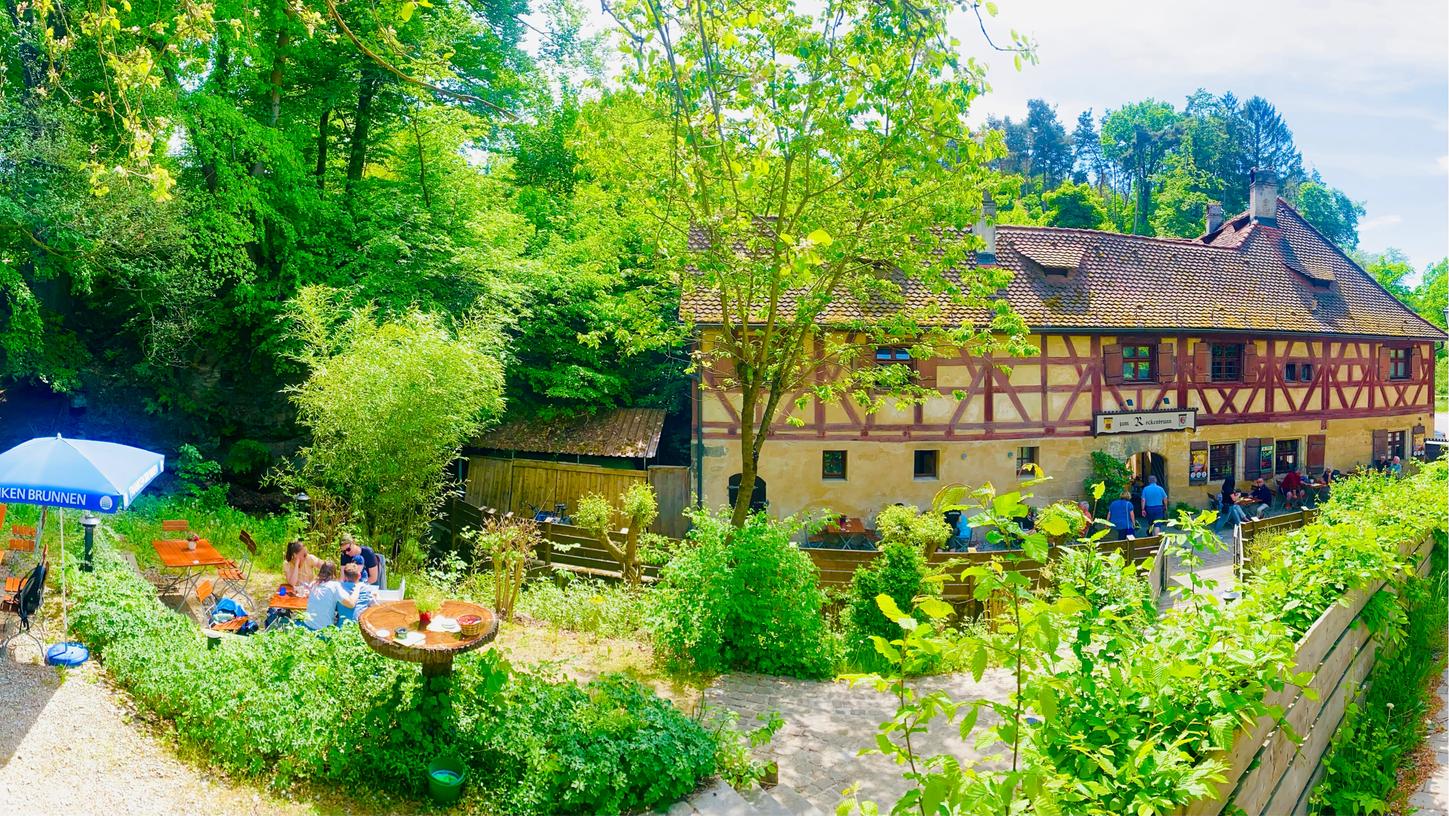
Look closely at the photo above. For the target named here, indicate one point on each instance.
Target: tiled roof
(631, 433)
(1245, 276)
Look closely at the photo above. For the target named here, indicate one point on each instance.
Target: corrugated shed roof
(630, 433)
(1246, 276)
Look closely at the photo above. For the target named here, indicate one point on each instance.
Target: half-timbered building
(1254, 349)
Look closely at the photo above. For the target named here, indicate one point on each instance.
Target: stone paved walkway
(827, 724)
(1432, 797)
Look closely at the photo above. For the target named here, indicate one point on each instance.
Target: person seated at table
(300, 567)
(356, 595)
(1263, 495)
(1122, 517)
(1396, 466)
(322, 602)
(1233, 514)
(362, 556)
(1291, 486)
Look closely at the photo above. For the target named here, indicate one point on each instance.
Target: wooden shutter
(1112, 364)
(1317, 444)
(1202, 361)
(1166, 363)
(1416, 361)
(1252, 449)
(1384, 363)
(926, 372)
(1381, 445)
(1250, 362)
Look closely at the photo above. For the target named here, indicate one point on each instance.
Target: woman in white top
(300, 566)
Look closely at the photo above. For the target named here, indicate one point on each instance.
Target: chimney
(986, 229)
(1214, 217)
(1263, 196)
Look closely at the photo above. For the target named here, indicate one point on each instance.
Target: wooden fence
(1269, 772)
(524, 486)
(837, 567)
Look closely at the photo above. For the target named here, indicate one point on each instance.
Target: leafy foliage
(267, 706)
(1130, 718)
(743, 599)
(899, 573)
(1388, 722)
(1110, 472)
(387, 403)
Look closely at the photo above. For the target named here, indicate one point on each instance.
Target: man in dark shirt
(1263, 495)
(352, 553)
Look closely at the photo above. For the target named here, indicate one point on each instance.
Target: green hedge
(292, 706)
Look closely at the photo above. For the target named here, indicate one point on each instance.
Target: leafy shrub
(586, 605)
(1102, 579)
(248, 458)
(899, 572)
(906, 525)
(1062, 521)
(1110, 472)
(745, 599)
(290, 706)
(198, 477)
(1389, 721)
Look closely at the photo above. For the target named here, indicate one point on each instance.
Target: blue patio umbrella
(83, 474)
(76, 473)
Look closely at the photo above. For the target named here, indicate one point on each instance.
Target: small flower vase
(424, 618)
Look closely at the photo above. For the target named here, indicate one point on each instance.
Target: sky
(1363, 85)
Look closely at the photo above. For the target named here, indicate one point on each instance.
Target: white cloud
(1379, 221)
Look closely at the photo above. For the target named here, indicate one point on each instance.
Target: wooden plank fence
(524, 486)
(1269, 773)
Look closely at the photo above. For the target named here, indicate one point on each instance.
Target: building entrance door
(1146, 464)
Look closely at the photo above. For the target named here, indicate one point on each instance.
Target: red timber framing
(1055, 392)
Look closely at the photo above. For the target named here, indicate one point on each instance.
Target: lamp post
(304, 503)
(90, 522)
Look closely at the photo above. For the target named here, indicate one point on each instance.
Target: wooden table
(438, 649)
(290, 602)
(189, 563)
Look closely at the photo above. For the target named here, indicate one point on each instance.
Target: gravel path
(1432, 797)
(68, 746)
(827, 724)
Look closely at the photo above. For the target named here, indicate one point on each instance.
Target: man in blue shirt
(1154, 503)
(359, 594)
(1121, 516)
(362, 556)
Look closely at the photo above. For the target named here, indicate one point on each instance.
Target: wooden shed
(527, 466)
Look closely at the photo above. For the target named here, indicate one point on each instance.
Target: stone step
(763, 803)
(795, 803)
(719, 799)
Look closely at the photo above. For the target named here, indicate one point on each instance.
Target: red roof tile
(1245, 276)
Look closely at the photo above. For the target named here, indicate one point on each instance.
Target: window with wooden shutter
(1400, 363)
(1317, 444)
(1252, 458)
(1202, 361)
(1381, 445)
(1250, 362)
(1166, 362)
(1384, 363)
(926, 372)
(1112, 364)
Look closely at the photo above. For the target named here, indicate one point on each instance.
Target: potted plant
(428, 601)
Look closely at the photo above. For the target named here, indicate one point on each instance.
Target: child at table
(356, 595)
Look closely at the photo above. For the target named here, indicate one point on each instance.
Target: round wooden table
(438, 649)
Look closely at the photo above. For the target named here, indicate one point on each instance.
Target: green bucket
(445, 779)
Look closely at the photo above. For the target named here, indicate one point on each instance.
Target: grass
(219, 524)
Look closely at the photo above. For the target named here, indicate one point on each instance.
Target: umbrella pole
(64, 611)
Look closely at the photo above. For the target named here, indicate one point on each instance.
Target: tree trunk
(357, 150)
(322, 149)
(749, 457)
(1144, 199)
(422, 166)
(279, 62)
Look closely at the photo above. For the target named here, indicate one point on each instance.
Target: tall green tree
(1138, 138)
(1330, 211)
(846, 148)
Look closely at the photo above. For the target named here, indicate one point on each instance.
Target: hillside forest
(174, 175)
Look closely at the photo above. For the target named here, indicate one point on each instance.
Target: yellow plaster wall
(880, 473)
